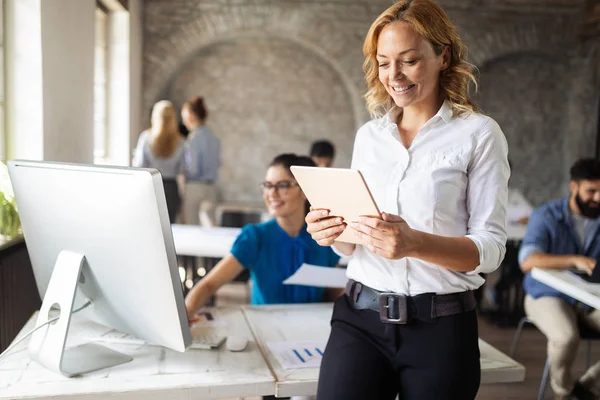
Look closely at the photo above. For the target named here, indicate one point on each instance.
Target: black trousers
(421, 360)
(172, 197)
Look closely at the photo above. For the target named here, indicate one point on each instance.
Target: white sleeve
(487, 197)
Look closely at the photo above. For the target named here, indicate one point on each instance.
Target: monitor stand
(47, 345)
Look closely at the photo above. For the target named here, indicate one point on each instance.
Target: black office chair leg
(588, 354)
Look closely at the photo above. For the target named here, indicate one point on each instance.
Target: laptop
(593, 278)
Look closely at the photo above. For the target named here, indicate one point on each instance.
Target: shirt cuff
(339, 253)
(528, 250)
(491, 255)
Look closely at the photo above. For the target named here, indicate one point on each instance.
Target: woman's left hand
(389, 237)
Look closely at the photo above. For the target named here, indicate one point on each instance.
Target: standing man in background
(322, 153)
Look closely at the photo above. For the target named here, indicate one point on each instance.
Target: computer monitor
(99, 234)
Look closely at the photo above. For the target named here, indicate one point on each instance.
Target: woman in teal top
(272, 250)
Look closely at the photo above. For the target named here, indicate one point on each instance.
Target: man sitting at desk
(564, 234)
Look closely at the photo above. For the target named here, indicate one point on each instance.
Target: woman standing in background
(202, 162)
(162, 147)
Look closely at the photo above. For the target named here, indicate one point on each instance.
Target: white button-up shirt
(452, 181)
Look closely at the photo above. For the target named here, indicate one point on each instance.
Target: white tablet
(343, 192)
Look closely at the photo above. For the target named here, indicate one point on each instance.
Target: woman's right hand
(191, 313)
(584, 264)
(324, 228)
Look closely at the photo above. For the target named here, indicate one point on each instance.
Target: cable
(87, 303)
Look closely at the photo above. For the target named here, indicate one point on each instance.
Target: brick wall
(277, 74)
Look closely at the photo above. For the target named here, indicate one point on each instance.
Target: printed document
(314, 275)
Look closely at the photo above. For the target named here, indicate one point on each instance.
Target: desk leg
(188, 263)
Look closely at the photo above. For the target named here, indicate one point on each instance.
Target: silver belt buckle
(388, 302)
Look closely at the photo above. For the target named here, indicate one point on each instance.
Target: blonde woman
(439, 171)
(162, 147)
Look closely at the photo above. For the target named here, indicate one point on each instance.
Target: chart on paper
(307, 354)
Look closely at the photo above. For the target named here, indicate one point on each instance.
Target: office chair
(586, 334)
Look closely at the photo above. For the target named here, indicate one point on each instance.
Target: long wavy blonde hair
(165, 131)
(431, 22)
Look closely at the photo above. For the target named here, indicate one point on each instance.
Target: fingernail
(353, 224)
(361, 220)
(324, 213)
(338, 220)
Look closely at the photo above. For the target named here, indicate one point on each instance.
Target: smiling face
(282, 202)
(409, 69)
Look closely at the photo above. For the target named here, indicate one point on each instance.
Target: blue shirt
(273, 256)
(169, 167)
(202, 156)
(551, 230)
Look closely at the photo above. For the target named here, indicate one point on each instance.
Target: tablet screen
(343, 192)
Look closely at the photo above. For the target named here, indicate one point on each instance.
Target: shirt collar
(445, 113)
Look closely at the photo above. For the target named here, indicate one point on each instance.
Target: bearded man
(564, 234)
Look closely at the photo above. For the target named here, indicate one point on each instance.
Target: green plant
(10, 224)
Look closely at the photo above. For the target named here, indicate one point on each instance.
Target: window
(100, 88)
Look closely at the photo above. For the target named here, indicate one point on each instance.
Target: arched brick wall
(332, 33)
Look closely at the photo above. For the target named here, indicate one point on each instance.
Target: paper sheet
(313, 275)
(305, 354)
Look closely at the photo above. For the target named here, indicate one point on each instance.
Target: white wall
(68, 29)
(50, 79)
(23, 61)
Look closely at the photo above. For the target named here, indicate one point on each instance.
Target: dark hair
(587, 169)
(196, 105)
(322, 148)
(286, 160)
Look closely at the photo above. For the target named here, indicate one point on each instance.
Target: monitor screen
(116, 219)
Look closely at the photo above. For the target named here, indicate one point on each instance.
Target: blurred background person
(162, 147)
(322, 153)
(202, 162)
(563, 234)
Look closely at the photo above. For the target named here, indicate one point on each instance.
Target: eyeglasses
(282, 186)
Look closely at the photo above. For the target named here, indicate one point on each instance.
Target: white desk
(194, 240)
(567, 283)
(155, 372)
(299, 322)
(197, 241)
(516, 232)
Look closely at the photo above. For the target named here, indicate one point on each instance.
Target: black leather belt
(396, 308)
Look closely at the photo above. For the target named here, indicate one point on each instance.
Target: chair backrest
(587, 333)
